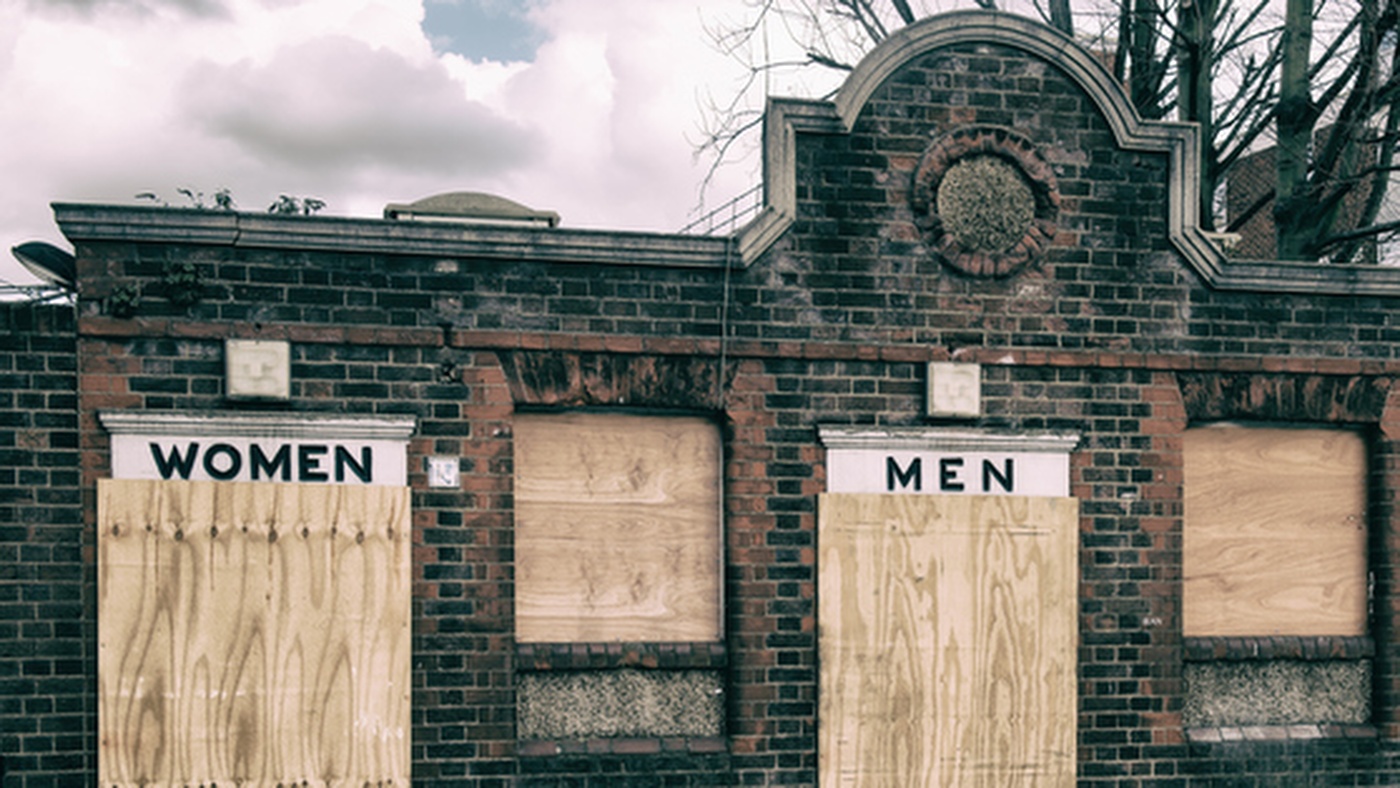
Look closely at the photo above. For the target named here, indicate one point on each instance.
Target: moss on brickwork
(626, 703)
(1277, 692)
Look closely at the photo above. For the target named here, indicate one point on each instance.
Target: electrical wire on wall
(722, 376)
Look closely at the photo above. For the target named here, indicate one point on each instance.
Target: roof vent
(473, 208)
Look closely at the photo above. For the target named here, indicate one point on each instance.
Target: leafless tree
(1313, 82)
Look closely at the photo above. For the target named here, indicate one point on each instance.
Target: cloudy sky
(590, 108)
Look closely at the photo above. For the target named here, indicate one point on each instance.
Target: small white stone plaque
(443, 472)
(954, 389)
(257, 369)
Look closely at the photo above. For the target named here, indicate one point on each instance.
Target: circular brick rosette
(986, 199)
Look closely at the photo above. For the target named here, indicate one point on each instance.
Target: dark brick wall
(1110, 336)
(47, 614)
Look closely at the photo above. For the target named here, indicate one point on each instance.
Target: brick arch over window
(1322, 399)
(572, 379)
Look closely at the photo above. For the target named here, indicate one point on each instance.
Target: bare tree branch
(906, 14)
(1218, 62)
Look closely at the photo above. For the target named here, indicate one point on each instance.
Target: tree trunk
(1060, 17)
(1195, 46)
(1142, 58)
(1296, 118)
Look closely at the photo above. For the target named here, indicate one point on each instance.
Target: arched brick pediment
(1180, 141)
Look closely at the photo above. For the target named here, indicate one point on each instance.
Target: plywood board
(253, 634)
(1274, 537)
(617, 528)
(947, 636)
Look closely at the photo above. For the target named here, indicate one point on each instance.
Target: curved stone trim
(1180, 141)
(1012, 30)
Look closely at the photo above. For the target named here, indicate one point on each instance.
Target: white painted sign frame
(264, 447)
(938, 461)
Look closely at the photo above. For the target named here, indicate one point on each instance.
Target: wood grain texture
(617, 533)
(1274, 541)
(947, 636)
(253, 634)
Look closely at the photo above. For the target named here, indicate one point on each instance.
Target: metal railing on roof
(728, 217)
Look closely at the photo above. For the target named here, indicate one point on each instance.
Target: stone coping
(1278, 733)
(1241, 649)
(81, 223)
(535, 748)
(612, 656)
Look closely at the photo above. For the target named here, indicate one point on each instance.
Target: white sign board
(259, 448)
(926, 461)
(235, 459)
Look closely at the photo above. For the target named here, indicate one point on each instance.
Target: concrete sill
(536, 748)
(1277, 733)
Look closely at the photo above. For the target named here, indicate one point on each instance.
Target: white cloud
(345, 100)
(331, 104)
(622, 78)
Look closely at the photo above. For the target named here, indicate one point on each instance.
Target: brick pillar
(1163, 492)
(464, 624)
(1385, 547)
(47, 614)
(770, 587)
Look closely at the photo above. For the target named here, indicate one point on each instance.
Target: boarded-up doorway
(253, 634)
(947, 640)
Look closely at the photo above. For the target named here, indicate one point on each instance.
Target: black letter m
(913, 473)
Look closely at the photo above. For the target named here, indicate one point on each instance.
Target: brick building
(971, 459)
(1249, 203)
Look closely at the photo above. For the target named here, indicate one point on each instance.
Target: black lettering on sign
(363, 470)
(280, 462)
(948, 468)
(1006, 477)
(309, 463)
(227, 462)
(914, 473)
(174, 462)
(231, 466)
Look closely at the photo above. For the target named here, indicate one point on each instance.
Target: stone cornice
(82, 223)
(283, 425)
(945, 439)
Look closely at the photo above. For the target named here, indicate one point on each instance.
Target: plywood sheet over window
(1274, 540)
(947, 640)
(617, 528)
(253, 634)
